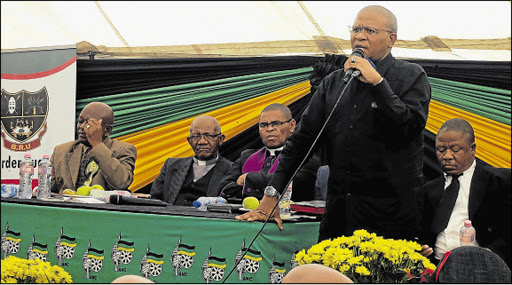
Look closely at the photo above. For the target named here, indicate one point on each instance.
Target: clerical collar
(205, 162)
(273, 150)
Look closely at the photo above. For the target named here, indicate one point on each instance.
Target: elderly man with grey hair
(183, 180)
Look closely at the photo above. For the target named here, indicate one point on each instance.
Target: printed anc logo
(92, 260)
(10, 241)
(37, 250)
(182, 256)
(24, 118)
(151, 264)
(64, 247)
(122, 252)
(276, 273)
(248, 260)
(213, 268)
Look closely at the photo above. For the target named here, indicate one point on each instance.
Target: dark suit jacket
(115, 158)
(167, 185)
(303, 185)
(489, 208)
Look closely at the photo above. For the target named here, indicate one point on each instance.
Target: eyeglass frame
(273, 124)
(369, 31)
(207, 137)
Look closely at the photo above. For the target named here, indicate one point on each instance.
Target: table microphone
(123, 200)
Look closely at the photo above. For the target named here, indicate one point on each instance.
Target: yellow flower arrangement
(367, 258)
(19, 270)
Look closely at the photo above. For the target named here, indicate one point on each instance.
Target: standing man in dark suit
(373, 142)
(483, 195)
(183, 180)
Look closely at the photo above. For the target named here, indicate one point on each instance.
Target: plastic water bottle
(467, 234)
(44, 178)
(284, 203)
(202, 203)
(26, 172)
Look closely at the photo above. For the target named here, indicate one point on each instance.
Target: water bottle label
(468, 238)
(27, 169)
(45, 170)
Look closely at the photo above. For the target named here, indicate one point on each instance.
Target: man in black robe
(374, 139)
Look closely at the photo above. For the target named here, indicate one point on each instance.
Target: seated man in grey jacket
(183, 180)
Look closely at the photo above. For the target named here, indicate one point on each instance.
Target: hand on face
(91, 132)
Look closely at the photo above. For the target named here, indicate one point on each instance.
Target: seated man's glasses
(209, 137)
(273, 124)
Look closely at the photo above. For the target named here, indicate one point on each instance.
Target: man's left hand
(368, 73)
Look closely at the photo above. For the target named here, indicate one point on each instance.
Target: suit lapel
(73, 159)
(217, 175)
(477, 189)
(179, 170)
(436, 192)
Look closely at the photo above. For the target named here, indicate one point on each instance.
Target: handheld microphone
(352, 72)
(123, 200)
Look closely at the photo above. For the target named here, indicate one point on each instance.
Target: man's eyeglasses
(369, 31)
(273, 124)
(208, 137)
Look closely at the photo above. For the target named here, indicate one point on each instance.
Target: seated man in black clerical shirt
(252, 171)
(183, 180)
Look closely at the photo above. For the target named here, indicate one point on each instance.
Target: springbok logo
(24, 116)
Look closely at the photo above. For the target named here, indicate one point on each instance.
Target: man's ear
(392, 40)
(293, 124)
(222, 137)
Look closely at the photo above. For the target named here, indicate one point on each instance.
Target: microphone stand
(354, 75)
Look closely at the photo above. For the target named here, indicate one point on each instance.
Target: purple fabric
(255, 162)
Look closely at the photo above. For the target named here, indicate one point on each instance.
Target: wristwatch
(271, 191)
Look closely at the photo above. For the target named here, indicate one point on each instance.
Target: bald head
(208, 120)
(390, 17)
(100, 110)
(315, 273)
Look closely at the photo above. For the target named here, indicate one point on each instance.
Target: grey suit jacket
(167, 185)
(116, 160)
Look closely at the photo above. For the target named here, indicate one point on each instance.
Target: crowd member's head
(315, 273)
(276, 125)
(455, 146)
(374, 31)
(95, 123)
(205, 137)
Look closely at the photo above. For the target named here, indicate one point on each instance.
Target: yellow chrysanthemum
(362, 271)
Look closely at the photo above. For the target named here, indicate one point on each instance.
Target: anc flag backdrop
(155, 100)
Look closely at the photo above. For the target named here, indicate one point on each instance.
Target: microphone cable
(293, 175)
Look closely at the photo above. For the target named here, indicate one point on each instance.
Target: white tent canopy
(434, 30)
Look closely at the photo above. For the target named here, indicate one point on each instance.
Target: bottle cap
(46, 156)
(28, 155)
(196, 204)
(467, 223)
